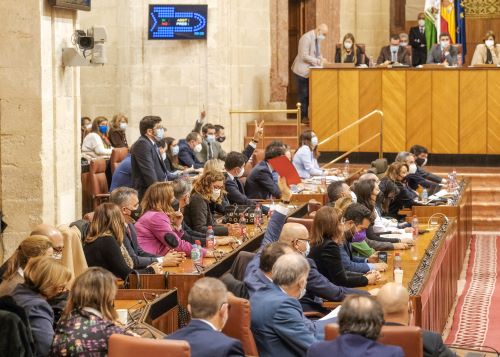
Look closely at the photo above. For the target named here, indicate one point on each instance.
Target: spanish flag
(448, 19)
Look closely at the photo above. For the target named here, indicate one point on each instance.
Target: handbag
(232, 214)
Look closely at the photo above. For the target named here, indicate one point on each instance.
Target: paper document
(332, 314)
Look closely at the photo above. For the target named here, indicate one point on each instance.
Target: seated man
(262, 183)
(360, 321)
(394, 53)
(235, 167)
(443, 53)
(210, 147)
(339, 189)
(414, 178)
(208, 306)
(122, 177)
(403, 39)
(395, 302)
(187, 150)
(421, 153)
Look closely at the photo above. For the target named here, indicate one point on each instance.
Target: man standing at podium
(418, 42)
(309, 54)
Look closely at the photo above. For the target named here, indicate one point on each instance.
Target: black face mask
(135, 214)
(419, 161)
(221, 139)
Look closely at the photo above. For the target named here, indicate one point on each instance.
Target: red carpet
(477, 317)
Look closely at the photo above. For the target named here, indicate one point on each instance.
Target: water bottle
(425, 195)
(196, 254)
(346, 168)
(454, 178)
(371, 62)
(459, 60)
(397, 261)
(210, 242)
(414, 225)
(257, 216)
(243, 226)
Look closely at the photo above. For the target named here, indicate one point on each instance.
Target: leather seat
(308, 222)
(240, 263)
(122, 345)
(238, 324)
(117, 156)
(98, 182)
(406, 337)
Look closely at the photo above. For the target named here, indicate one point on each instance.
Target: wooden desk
(449, 110)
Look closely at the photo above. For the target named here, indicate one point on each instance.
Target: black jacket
(199, 214)
(17, 339)
(350, 58)
(418, 43)
(236, 192)
(428, 176)
(260, 184)
(404, 199)
(147, 165)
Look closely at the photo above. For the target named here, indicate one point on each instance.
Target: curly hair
(203, 185)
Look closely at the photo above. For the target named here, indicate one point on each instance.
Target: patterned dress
(83, 333)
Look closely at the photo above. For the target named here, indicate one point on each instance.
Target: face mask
(198, 148)
(159, 133)
(412, 169)
(394, 48)
(489, 43)
(403, 44)
(314, 141)
(215, 195)
(348, 45)
(174, 150)
(421, 162)
(221, 139)
(57, 255)
(242, 171)
(103, 129)
(445, 44)
(88, 126)
(354, 197)
(308, 249)
(302, 293)
(135, 214)
(210, 138)
(321, 37)
(359, 236)
(164, 156)
(123, 126)
(421, 23)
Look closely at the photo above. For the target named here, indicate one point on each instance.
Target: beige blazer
(73, 257)
(306, 55)
(480, 54)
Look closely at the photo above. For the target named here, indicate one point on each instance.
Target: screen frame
(192, 38)
(63, 4)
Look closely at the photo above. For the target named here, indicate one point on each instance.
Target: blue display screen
(177, 22)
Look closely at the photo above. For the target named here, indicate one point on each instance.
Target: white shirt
(305, 163)
(382, 224)
(208, 323)
(93, 147)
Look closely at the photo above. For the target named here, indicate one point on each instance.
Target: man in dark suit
(208, 306)
(394, 53)
(235, 167)
(395, 302)
(443, 53)
(262, 183)
(187, 150)
(418, 42)
(360, 321)
(421, 153)
(147, 164)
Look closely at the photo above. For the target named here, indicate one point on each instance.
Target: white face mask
(425, 162)
(242, 171)
(159, 133)
(445, 44)
(412, 168)
(215, 195)
(348, 45)
(489, 43)
(421, 23)
(321, 37)
(164, 156)
(123, 126)
(197, 148)
(314, 141)
(354, 197)
(88, 126)
(302, 293)
(308, 249)
(403, 44)
(211, 138)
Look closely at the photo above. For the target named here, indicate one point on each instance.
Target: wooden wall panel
(324, 101)
(394, 107)
(418, 108)
(472, 125)
(445, 87)
(348, 108)
(493, 127)
(370, 98)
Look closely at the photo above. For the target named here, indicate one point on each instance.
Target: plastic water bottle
(397, 261)
(257, 216)
(210, 242)
(243, 225)
(371, 62)
(414, 225)
(454, 178)
(346, 168)
(425, 195)
(196, 254)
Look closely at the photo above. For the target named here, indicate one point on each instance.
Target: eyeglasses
(218, 187)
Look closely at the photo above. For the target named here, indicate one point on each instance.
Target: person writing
(487, 52)
(394, 53)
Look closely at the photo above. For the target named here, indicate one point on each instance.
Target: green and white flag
(432, 21)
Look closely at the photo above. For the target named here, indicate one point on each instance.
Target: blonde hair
(214, 165)
(203, 185)
(117, 118)
(33, 246)
(326, 225)
(107, 221)
(158, 197)
(394, 169)
(342, 203)
(95, 288)
(354, 48)
(46, 275)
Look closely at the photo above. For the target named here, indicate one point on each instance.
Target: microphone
(446, 219)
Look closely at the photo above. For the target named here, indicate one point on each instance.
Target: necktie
(210, 152)
(421, 30)
(275, 177)
(317, 49)
(394, 56)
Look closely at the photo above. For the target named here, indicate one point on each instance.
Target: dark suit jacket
(404, 199)
(236, 192)
(428, 176)
(147, 165)
(435, 55)
(416, 179)
(419, 52)
(260, 184)
(353, 346)
(433, 343)
(205, 341)
(385, 55)
(140, 258)
(187, 156)
(198, 215)
(350, 58)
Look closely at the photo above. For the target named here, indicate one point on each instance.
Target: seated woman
(104, 247)
(487, 52)
(388, 192)
(96, 144)
(159, 229)
(406, 197)
(171, 158)
(305, 158)
(206, 200)
(350, 52)
(44, 279)
(89, 318)
(214, 165)
(327, 236)
(31, 247)
(117, 134)
(172, 174)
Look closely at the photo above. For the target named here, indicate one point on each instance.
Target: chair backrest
(459, 48)
(238, 324)
(406, 337)
(308, 222)
(410, 52)
(98, 181)
(240, 264)
(117, 156)
(122, 345)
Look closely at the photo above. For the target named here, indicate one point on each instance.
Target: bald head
(393, 298)
(292, 232)
(323, 28)
(368, 176)
(55, 236)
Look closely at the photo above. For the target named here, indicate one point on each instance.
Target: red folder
(285, 168)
